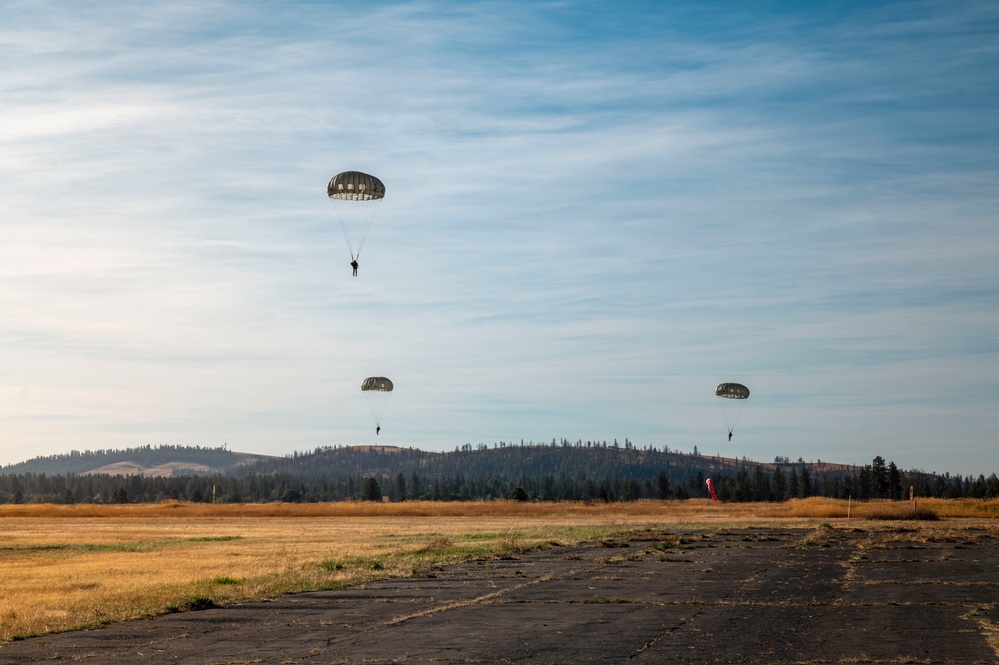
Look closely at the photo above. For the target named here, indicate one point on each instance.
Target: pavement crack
(490, 597)
(661, 636)
(478, 600)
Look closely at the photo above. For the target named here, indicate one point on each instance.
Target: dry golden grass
(71, 566)
(818, 507)
(814, 507)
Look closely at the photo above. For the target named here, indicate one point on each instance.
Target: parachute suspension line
(377, 401)
(355, 218)
(356, 198)
(377, 391)
(730, 410)
(731, 398)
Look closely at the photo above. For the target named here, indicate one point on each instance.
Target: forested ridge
(556, 471)
(76, 462)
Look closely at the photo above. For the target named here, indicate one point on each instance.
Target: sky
(595, 213)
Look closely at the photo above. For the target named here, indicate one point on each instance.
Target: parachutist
(729, 436)
(355, 197)
(378, 428)
(353, 264)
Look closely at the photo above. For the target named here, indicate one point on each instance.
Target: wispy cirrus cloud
(591, 220)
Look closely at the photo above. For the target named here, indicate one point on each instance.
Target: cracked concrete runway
(871, 595)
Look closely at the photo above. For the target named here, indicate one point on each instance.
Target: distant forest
(559, 471)
(147, 456)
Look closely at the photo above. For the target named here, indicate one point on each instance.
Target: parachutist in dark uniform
(729, 436)
(353, 264)
(378, 428)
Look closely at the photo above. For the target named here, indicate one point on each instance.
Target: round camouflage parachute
(355, 186)
(377, 383)
(732, 391)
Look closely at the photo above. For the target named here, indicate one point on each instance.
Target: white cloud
(588, 226)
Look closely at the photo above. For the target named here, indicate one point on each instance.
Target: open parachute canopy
(732, 391)
(379, 383)
(731, 398)
(377, 390)
(356, 197)
(355, 186)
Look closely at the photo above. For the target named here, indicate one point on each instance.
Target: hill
(578, 471)
(147, 461)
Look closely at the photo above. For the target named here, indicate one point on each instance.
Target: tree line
(560, 471)
(76, 462)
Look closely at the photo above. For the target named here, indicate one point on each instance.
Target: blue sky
(595, 213)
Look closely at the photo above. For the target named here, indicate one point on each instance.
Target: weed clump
(332, 565)
(612, 543)
(437, 544)
(193, 605)
(820, 537)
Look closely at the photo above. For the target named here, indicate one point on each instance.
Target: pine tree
(894, 482)
(792, 483)
(761, 486)
(370, 490)
(662, 486)
(879, 478)
(778, 485)
(805, 486)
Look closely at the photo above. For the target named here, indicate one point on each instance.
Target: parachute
(356, 198)
(732, 398)
(377, 390)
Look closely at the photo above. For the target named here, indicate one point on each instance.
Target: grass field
(64, 567)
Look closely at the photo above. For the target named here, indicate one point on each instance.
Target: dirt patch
(698, 596)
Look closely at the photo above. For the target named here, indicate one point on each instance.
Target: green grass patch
(138, 546)
(224, 580)
(127, 547)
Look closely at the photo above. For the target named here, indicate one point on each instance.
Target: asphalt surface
(871, 595)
